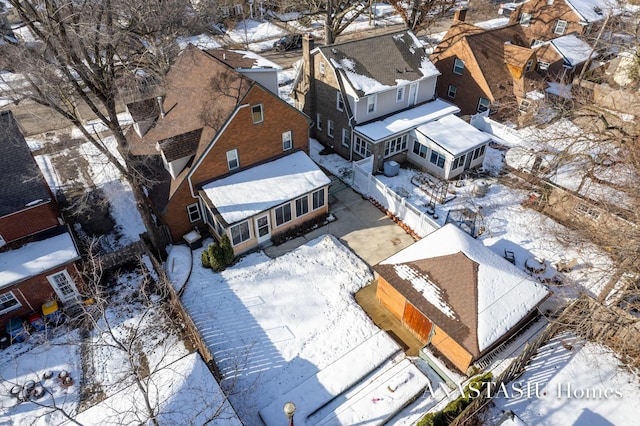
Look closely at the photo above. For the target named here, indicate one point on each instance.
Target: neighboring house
(456, 295)
(544, 20)
(486, 70)
(37, 254)
(368, 97)
(562, 58)
(216, 128)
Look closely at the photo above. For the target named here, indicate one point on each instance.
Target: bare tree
(337, 14)
(420, 14)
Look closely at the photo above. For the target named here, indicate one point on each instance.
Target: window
(339, 102)
(458, 66)
(525, 19)
(256, 114)
(346, 137)
(233, 162)
(318, 198)
(238, 9)
(420, 149)
(588, 211)
(524, 106)
(396, 145)
(451, 91)
(225, 12)
(240, 233)
(302, 206)
(458, 162)
(283, 214)
(400, 94)
(437, 159)
(361, 147)
(8, 302)
(321, 68)
(193, 210)
(330, 128)
(287, 140)
(63, 285)
(528, 66)
(371, 104)
(483, 104)
(542, 66)
(560, 27)
(318, 122)
(478, 152)
(537, 43)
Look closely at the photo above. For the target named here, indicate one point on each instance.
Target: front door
(413, 93)
(263, 230)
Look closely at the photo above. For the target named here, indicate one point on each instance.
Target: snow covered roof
(594, 10)
(458, 269)
(245, 60)
(573, 50)
(35, 258)
(404, 60)
(454, 134)
(247, 193)
(406, 120)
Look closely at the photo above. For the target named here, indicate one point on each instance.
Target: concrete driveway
(359, 225)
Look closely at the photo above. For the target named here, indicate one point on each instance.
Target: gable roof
(402, 59)
(594, 10)
(473, 294)
(22, 182)
(573, 50)
(242, 59)
(181, 145)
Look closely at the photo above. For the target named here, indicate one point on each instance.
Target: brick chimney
(460, 15)
(308, 78)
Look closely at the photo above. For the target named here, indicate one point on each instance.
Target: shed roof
(22, 182)
(454, 134)
(485, 294)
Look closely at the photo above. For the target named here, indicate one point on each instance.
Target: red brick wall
(33, 292)
(28, 221)
(544, 19)
(255, 143)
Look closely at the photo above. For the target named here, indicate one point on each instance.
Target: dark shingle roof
(180, 146)
(144, 109)
(22, 180)
(385, 58)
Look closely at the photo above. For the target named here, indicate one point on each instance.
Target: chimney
(460, 15)
(308, 76)
(160, 100)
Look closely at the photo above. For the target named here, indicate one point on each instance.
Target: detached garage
(456, 295)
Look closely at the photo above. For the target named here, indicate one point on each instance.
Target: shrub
(227, 250)
(218, 255)
(205, 259)
(215, 257)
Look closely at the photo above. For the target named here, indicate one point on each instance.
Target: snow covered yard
(290, 328)
(571, 382)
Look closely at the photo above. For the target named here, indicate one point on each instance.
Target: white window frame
(371, 104)
(458, 66)
(560, 27)
(339, 101)
(321, 67)
(587, 210)
(419, 149)
(330, 128)
(528, 65)
(287, 140)
(193, 212)
(58, 289)
(395, 145)
(346, 137)
(6, 297)
(542, 66)
(525, 19)
(302, 206)
(451, 91)
(478, 152)
(400, 93)
(361, 147)
(437, 159)
(524, 106)
(258, 111)
(317, 199)
(458, 162)
(318, 121)
(226, 12)
(287, 214)
(238, 9)
(241, 235)
(481, 105)
(537, 43)
(232, 155)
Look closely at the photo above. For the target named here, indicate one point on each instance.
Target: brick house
(543, 20)
(366, 104)
(37, 255)
(562, 58)
(486, 70)
(457, 296)
(216, 123)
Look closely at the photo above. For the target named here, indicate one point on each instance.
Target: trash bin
(36, 321)
(52, 313)
(16, 330)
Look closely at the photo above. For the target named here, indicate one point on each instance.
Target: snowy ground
(571, 382)
(274, 325)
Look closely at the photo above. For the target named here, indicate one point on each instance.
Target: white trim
(18, 305)
(189, 213)
(54, 284)
(237, 225)
(261, 114)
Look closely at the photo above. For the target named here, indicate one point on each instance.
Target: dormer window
(458, 66)
(339, 102)
(371, 104)
(560, 27)
(525, 19)
(528, 66)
